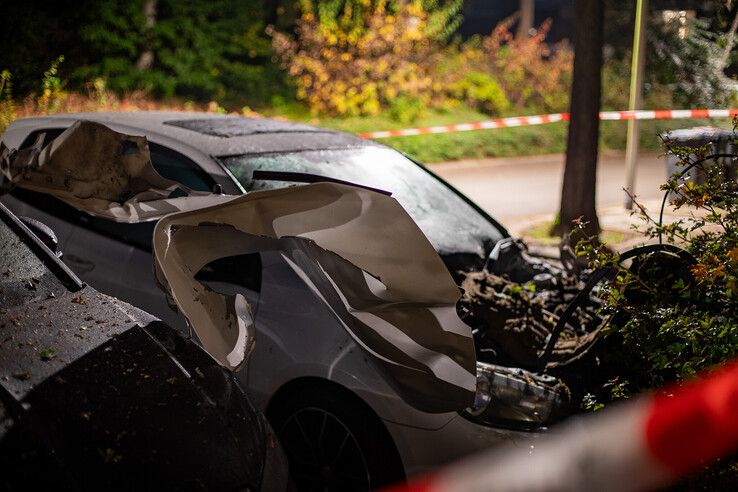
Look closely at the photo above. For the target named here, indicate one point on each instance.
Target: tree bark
(527, 13)
(146, 59)
(580, 172)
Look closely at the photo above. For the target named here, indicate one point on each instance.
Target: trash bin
(720, 141)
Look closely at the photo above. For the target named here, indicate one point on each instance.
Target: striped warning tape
(644, 444)
(658, 114)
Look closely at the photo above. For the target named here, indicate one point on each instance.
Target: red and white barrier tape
(644, 444)
(658, 114)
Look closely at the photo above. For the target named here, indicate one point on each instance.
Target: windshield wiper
(259, 175)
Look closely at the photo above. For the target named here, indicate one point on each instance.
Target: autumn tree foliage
(354, 58)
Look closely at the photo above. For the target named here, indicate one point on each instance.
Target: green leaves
(201, 50)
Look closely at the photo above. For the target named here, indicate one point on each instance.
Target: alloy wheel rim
(323, 453)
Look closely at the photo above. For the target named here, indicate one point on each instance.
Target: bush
(356, 58)
(52, 89)
(406, 110)
(676, 318)
(198, 50)
(7, 105)
(533, 76)
(687, 59)
(483, 92)
(499, 72)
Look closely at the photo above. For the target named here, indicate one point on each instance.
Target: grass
(540, 233)
(501, 142)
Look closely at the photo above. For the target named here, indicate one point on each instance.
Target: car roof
(213, 134)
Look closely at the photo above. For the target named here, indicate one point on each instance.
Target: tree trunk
(146, 59)
(527, 13)
(580, 173)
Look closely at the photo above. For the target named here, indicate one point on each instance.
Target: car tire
(334, 441)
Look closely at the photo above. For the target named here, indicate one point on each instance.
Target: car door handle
(78, 265)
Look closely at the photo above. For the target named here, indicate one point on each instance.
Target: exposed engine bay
(513, 306)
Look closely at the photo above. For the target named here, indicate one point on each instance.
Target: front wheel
(334, 442)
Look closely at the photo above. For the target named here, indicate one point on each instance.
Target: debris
(48, 354)
(512, 321)
(22, 375)
(79, 300)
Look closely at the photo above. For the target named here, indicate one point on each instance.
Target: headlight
(515, 398)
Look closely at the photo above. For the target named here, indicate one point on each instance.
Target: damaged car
(97, 394)
(383, 322)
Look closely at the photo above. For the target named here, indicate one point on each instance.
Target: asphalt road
(524, 186)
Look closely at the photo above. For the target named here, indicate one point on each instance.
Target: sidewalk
(511, 188)
(615, 220)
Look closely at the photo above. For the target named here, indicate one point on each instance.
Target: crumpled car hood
(356, 249)
(359, 252)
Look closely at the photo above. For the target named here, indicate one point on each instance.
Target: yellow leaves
(700, 200)
(733, 254)
(700, 272)
(712, 268)
(363, 58)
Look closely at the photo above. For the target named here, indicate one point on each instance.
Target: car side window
(170, 164)
(173, 165)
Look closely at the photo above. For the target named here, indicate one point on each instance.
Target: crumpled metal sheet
(363, 257)
(100, 171)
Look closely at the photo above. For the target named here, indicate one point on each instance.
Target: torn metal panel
(362, 256)
(101, 172)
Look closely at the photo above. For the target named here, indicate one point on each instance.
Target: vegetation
(675, 314)
(357, 58)
(353, 65)
(678, 317)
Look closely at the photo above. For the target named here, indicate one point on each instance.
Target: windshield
(451, 224)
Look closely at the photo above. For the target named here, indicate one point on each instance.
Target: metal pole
(636, 93)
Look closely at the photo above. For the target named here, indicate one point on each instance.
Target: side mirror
(44, 233)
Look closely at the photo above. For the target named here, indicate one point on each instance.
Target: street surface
(510, 188)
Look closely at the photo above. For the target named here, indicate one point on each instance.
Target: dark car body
(97, 394)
